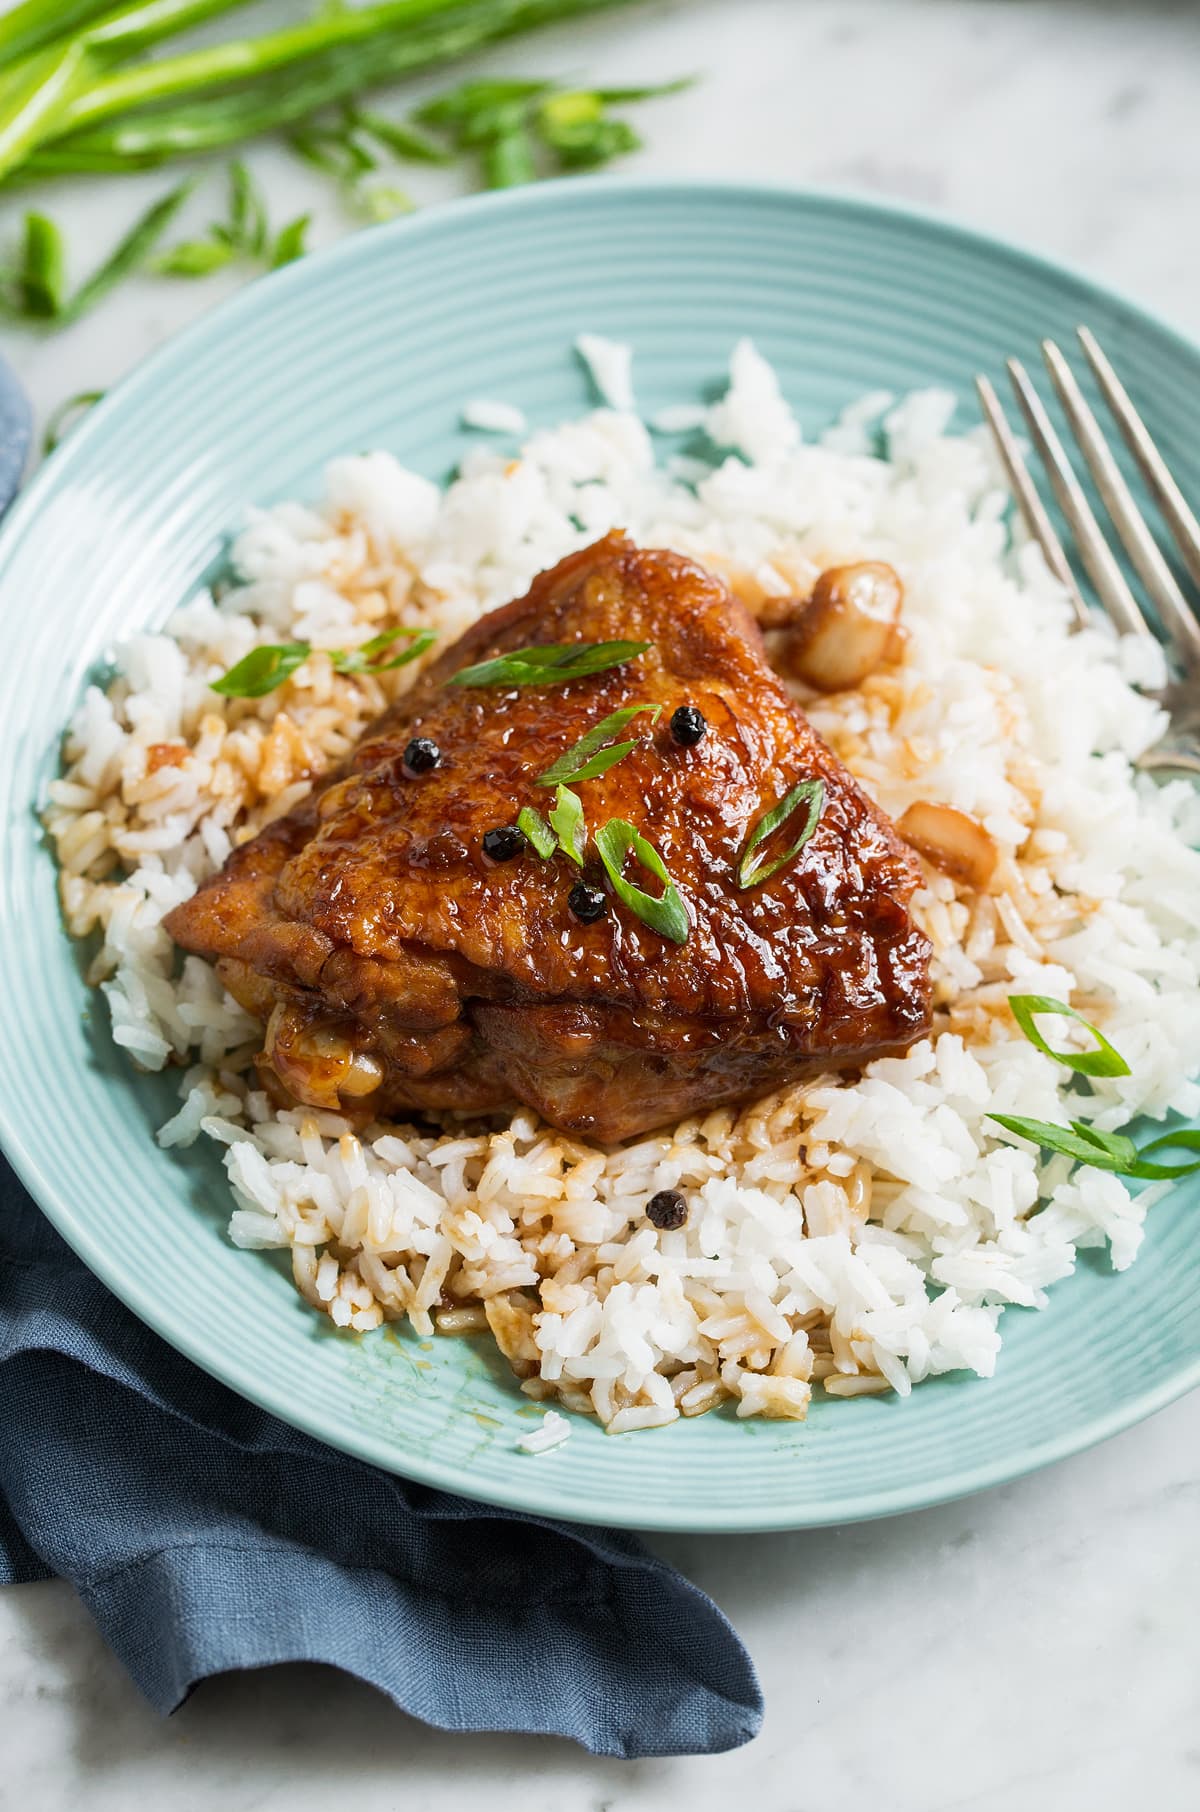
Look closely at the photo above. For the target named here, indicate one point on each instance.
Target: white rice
(610, 367)
(494, 418)
(552, 1431)
(859, 1236)
(679, 418)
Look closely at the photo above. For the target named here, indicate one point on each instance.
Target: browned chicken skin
(399, 968)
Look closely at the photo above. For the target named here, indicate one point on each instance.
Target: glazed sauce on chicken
(403, 958)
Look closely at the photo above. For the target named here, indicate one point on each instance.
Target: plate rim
(29, 1164)
(829, 197)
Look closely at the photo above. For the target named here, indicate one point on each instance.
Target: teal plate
(376, 343)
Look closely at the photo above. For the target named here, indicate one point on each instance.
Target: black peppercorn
(421, 754)
(587, 903)
(503, 843)
(688, 725)
(667, 1210)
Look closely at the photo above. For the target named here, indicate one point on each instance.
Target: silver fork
(1177, 622)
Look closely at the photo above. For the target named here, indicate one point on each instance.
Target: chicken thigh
(404, 958)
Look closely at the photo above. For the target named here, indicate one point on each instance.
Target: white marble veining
(1037, 1647)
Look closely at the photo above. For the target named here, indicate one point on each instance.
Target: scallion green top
(269, 665)
(549, 664)
(753, 869)
(596, 751)
(1105, 1150)
(665, 913)
(1105, 1061)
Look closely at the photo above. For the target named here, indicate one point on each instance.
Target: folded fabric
(16, 424)
(204, 1535)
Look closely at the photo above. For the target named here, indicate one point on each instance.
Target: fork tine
(1030, 504)
(1097, 556)
(1166, 492)
(1178, 623)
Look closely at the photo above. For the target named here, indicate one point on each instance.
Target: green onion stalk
(242, 59)
(204, 99)
(37, 23)
(132, 26)
(140, 23)
(34, 97)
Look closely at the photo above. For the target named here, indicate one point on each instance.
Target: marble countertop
(1036, 1647)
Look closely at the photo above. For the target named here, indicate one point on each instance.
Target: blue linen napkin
(16, 425)
(204, 1535)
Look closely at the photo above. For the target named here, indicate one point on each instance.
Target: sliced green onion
(596, 752)
(549, 664)
(752, 871)
(131, 254)
(320, 150)
(360, 159)
(508, 159)
(262, 670)
(43, 270)
(401, 140)
(541, 838)
(566, 821)
(1104, 1151)
(247, 211)
(487, 124)
(289, 243)
(362, 659)
(620, 97)
(244, 234)
(591, 143)
(666, 914)
(1102, 1062)
(570, 107)
(377, 202)
(1114, 1145)
(266, 667)
(1186, 1136)
(56, 426)
(194, 258)
(452, 110)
